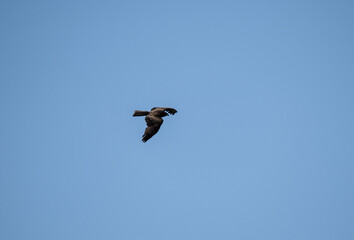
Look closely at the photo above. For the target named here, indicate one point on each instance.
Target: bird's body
(153, 119)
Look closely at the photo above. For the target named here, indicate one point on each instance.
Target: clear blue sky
(262, 146)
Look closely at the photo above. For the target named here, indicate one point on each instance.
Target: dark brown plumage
(153, 119)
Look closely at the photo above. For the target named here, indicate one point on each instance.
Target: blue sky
(262, 146)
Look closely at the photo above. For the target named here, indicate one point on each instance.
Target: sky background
(262, 146)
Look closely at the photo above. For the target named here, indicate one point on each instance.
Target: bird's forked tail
(138, 113)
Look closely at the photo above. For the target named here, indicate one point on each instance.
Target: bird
(153, 120)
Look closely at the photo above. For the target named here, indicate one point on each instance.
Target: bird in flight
(153, 119)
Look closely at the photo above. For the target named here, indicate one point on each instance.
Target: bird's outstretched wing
(168, 110)
(153, 125)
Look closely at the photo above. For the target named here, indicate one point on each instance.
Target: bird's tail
(138, 113)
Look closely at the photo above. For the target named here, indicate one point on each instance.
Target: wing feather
(153, 125)
(168, 110)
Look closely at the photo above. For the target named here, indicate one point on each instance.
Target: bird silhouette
(153, 119)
